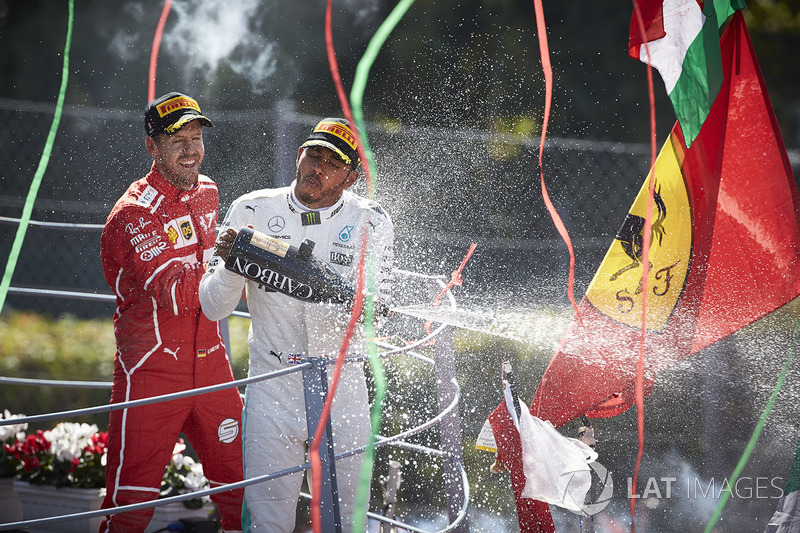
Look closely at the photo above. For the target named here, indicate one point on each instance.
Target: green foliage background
(67, 348)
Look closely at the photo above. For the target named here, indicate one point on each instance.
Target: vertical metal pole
(450, 427)
(394, 478)
(285, 143)
(315, 387)
(224, 332)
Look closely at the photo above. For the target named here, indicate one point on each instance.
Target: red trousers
(141, 439)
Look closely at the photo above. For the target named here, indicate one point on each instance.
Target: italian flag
(787, 516)
(680, 39)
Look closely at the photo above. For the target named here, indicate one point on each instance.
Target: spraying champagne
(291, 270)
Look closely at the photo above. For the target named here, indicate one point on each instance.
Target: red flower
(31, 463)
(98, 444)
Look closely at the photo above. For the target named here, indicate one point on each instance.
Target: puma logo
(276, 355)
(173, 354)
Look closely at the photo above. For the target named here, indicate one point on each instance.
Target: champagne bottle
(291, 270)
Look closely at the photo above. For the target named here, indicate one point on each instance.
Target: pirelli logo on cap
(338, 129)
(179, 102)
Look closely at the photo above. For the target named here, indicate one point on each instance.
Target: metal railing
(456, 482)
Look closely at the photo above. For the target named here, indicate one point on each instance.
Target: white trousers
(271, 444)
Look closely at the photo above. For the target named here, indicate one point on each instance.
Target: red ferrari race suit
(155, 244)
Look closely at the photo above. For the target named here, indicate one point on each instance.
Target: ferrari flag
(682, 38)
(725, 251)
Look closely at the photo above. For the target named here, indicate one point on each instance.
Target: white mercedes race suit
(284, 330)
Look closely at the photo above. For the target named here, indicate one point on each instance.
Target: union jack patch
(294, 359)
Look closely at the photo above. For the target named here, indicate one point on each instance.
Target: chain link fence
(444, 189)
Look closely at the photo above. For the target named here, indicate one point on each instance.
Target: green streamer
(362, 73)
(22, 229)
(725, 496)
(356, 102)
(379, 377)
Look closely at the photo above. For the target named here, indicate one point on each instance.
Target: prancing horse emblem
(631, 236)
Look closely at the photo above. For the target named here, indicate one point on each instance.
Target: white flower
(185, 471)
(14, 431)
(68, 439)
(178, 460)
(178, 449)
(194, 479)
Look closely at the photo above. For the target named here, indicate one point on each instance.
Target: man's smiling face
(178, 156)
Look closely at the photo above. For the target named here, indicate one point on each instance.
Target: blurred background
(454, 106)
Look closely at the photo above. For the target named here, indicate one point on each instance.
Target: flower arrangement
(9, 463)
(183, 474)
(69, 455)
(74, 455)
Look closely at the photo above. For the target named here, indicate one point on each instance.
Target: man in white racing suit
(284, 330)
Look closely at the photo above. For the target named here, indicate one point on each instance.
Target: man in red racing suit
(154, 248)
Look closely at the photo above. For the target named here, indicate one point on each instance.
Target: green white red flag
(725, 252)
(725, 249)
(682, 38)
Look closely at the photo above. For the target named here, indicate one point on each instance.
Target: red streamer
(337, 81)
(546, 66)
(639, 389)
(455, 281)
(313, 452)
(544, 51)
(151, 86)
(455, 276)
